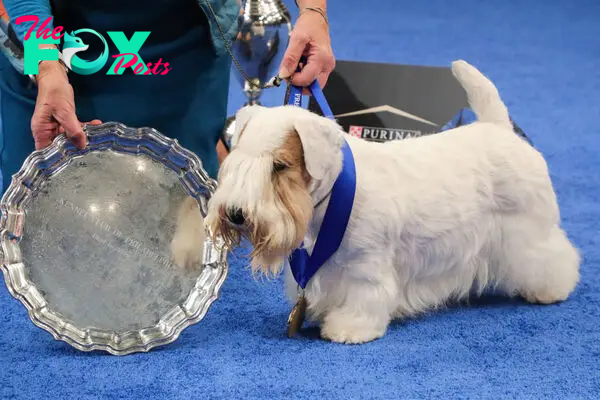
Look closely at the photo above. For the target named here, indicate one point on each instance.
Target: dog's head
(280, 158)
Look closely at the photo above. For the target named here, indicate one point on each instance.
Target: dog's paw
(187, 245)
(544, 298)
(351, 335)
(352, 331)
(186, 252)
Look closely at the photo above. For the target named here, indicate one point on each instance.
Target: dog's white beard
(274, 229)
(275, 236)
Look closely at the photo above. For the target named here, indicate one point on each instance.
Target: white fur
(434, 218)
(187, 245)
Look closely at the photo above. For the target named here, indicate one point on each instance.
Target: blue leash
(337, 215)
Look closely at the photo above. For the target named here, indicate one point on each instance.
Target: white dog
(433, 218)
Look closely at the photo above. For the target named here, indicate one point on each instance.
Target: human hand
(55, 108)
(309, 38)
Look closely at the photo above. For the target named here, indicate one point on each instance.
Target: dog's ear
(321, 143)
(242, 117)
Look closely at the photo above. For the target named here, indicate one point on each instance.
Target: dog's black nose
(236, 216)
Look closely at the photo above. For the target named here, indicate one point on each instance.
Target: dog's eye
(279, 166)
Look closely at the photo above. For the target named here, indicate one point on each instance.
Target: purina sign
(382, 134)
(383, 102)
(386, 102)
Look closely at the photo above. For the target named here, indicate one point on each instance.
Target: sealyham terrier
(434, 218)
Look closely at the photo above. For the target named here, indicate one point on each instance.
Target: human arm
(55, 108)
(310, 37)
(21, 8)
(55, 105)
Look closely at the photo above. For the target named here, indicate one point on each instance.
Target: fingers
(56, 130)
(323, 78)
(308, 74)
(72, 127)
(291, 58)
(43, 141)
(45, 138)
(319, 65)
(80, 140)
(46, 129)
(43, 127)
(55, 113)
(61, 129)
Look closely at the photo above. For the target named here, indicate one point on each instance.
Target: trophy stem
(252, 94)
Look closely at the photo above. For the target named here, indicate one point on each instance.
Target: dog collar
(337, 214)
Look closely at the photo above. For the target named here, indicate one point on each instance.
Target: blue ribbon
(337, 215)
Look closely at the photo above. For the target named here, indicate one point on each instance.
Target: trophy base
(227, 133)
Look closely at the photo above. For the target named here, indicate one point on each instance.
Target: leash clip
(273, 82)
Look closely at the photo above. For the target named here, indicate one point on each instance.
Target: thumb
(43, 128)
(73, 129)
(292, 55)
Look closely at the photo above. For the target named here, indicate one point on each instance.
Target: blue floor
(544, 57)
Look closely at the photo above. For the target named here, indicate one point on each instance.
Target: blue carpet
(544, 57)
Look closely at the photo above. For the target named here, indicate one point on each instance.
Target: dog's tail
(483, 96)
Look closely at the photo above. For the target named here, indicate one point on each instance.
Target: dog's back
(459, 208)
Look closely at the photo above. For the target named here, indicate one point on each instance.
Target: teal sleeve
(20, 8)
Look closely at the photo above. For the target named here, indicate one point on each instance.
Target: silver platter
(106, 247)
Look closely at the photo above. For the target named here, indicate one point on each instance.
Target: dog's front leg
(187, 245)
(363, 315)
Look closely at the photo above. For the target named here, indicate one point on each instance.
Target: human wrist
(322, 4)
(314, 7)
(322, 15)
(50, 70)
(55, 68)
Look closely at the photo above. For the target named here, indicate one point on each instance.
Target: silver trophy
(264, 28)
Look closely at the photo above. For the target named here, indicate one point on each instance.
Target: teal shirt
(226, 13)
(189, 103)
